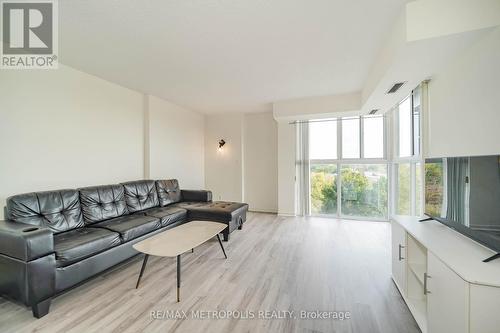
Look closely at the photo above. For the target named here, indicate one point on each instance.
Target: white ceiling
(227, 55)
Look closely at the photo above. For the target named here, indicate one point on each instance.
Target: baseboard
(267, 211)
(286, 214)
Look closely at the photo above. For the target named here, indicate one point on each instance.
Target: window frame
(340, 161)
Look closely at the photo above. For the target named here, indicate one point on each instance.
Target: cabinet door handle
(426, 277)
(400, 256)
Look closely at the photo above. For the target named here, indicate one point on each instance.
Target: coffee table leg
(178, 278)
(142, 270)
(220, 242)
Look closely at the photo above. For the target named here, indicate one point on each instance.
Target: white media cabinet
(442, 278)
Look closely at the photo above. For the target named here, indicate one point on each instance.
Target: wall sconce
(221, 144)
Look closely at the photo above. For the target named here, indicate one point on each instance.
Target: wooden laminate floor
(275, 264)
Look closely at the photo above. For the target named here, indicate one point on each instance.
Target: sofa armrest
(196, 195)
(25, 242)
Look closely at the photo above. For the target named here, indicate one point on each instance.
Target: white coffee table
(175, 241)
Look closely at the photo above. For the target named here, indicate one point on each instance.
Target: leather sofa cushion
(167, 215)
(58, 210)
(130, 226)
(101, 203)
(75, 245)
(216, 211)
(140, 195)
(168, 191)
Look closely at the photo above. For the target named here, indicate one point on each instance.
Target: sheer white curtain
(302, 169)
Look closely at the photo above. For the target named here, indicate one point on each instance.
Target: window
(405, 132)
(407, 157)
(403, 203)
(339, 187)
(408, 123)
(373, 137)
(324, 189)
(350, 138)
(323, 140)
(348, 173)
(416, 109)
(418, 189)
(364, 190)
(408, 188)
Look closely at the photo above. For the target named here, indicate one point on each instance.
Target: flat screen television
(464, 194)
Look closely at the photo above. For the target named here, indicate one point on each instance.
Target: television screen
(464, 193)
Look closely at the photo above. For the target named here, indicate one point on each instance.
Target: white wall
(247, 167)
(176, 144)
(317, 107)
(464, 113)
(64, 128)
(260, 162)
(224, 169)
(430, 18)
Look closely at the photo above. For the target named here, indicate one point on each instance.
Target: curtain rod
(333, 119)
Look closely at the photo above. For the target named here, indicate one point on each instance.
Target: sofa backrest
(58, 210)
(101, 203)
(168, 191)
(140, 195)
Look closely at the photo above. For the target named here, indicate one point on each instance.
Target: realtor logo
(29, 34)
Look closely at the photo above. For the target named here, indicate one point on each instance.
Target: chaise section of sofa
(231, 213)
(55, 240)
(199, 205)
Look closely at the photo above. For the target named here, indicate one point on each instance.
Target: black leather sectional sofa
(52, 241)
